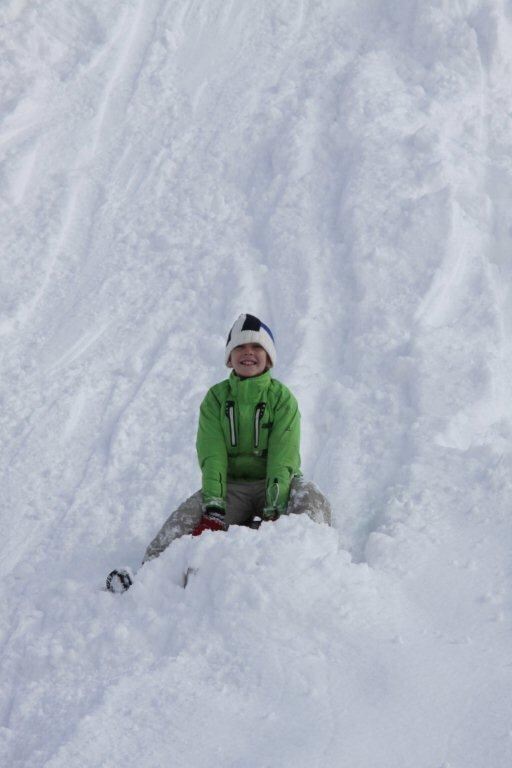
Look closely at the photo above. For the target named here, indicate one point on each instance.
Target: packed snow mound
(245, 653)
(276, 639)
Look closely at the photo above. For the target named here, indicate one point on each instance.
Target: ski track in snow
(344, 171)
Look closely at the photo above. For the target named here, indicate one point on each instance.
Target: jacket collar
(250, 390)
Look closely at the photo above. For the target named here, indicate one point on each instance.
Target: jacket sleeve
(283, 460)
(212, 453)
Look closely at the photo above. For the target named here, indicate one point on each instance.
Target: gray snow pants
(244, 500)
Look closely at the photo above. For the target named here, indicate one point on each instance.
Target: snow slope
(344, 170)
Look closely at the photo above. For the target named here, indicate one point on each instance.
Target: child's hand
(212, 520)
(270, 513)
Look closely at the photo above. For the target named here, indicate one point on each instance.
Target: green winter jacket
(249, 429)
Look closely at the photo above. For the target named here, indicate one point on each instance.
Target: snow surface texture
(343, 169)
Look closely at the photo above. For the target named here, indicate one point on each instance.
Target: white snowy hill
(342, 169)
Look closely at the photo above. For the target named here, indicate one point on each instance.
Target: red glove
(212, 520)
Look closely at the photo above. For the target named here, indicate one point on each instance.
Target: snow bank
(278, 651)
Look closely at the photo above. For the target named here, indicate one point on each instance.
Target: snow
(344, 171)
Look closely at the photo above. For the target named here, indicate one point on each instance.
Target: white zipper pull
(230, 413)
(258, 415)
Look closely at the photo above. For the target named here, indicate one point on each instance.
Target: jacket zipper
(230, 413)
(258, 415)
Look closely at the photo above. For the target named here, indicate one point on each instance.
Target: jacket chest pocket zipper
(258, 415)
(230, 413)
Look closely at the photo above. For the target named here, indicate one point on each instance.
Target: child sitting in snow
(248, 446)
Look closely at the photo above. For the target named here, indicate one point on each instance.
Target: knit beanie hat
(249, 330)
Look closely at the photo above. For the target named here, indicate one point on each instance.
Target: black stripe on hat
(251, 323)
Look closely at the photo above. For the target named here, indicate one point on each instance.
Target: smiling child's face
(248, 360)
